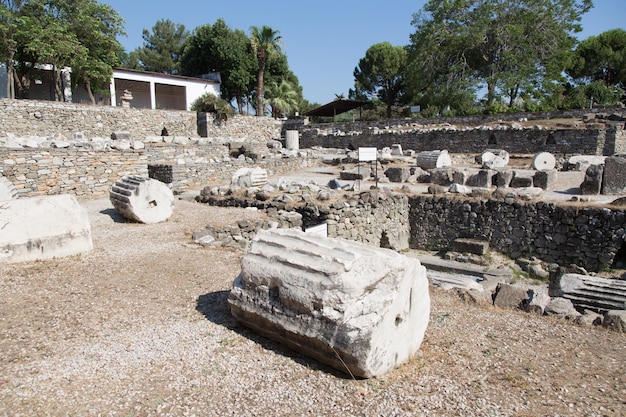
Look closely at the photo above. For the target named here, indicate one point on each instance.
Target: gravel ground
(140, 327)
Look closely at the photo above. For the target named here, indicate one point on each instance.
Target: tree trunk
(10, 76)
(259, 88)
(92, 99)
(58, 91)
(239, 104)
(491, 93)
(513, 92)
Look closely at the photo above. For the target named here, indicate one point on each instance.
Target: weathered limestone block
(503, 178)
(615, 320)
(510, 296)
(545, 179)
(475, 246)
(589, 292)
(521, 182)
(614, 177)
(483, 178)
(442, 176)
(494, 158)
(43, 228)
(592, 184)
(142, 200)
(396, 150)
(537, 302)
(358, 308)
(398, 174)
(249, 177)
(434, 159)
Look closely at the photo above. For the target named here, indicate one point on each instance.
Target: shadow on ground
(214, 306)
(114, 215)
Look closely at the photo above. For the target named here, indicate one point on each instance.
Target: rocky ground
(140, 327)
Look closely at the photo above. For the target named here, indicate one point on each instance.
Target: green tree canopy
(381, 73)
(511, 48)
(601, 57)
(46, 36)
(217, 48)
(76, 33)
(162, 47)
(97, 26)
(265, 43)
(283, 98)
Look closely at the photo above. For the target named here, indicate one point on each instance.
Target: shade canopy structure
(335, 107)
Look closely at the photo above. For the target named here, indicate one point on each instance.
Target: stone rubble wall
(24, 118)
(594, 140)
(565, 234)
(84, 172)
(375, 218)
(80, 172)
(55, 148)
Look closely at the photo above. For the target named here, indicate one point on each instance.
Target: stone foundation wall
(83, 172)
(596, 140)
(565, 234)
(24, 118)
(374, 218)
(69, 170)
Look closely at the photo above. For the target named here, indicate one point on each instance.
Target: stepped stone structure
(43, 228)
(589, 292)
(360, 309)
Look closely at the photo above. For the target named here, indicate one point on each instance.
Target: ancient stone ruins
(375, 205)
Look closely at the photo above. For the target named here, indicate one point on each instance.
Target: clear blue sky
(323, 40)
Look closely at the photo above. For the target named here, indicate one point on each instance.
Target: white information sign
(367, 154)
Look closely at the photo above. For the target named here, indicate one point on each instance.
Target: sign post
(365, 155)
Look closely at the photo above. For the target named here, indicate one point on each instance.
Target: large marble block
(358, 308)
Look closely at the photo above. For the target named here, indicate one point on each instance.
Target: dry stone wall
(564, 233)
(52, 148)
(24, 118)
(372, 217)
(69, 170)
(605, 140)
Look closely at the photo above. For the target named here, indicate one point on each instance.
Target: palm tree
(283, 98)
(265, 42)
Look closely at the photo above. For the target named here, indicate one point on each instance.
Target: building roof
(335, 107)
(213, 78)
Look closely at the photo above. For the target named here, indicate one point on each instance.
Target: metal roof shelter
(336, 107)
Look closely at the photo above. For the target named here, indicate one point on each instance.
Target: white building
(149, 90)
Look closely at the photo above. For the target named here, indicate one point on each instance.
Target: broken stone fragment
(142, 200)
(43, 228)
(360, 309)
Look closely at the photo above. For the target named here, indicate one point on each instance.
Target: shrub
(210, 103)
